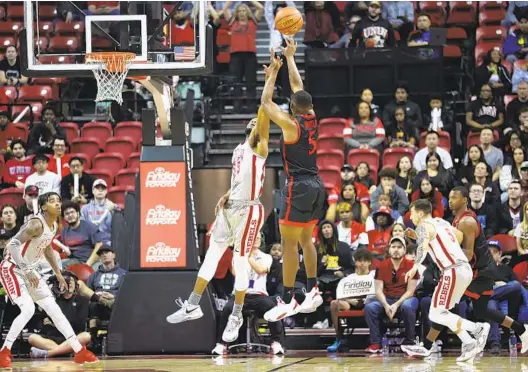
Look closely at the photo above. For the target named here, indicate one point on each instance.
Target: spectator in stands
(106, 283)
(10, 71)
(511, 172)
(379, 237)
(383, 201)
(516, 44)
(486, 212)
(406, 174)
(49, 342)
(43, 133)
(373, 31)
(349, 230)
(394, 297)
(9, 225)
(426, 190)
(45, 180)
(400, 14)
(493, 156)
(402, 134)
(358, 8)
(349, 194)
(8, 132)
(67, 12)
(18, 168)
(274, 282)
(413, 114)
(494, 74)
(510, 142)
(368, 96)
(516, 11)
(467, 171)
(431, 145)
(320, 30)
(182, 29)
(363, 275)
(439, 118)
(398, 196)
(81, 236)
(363, 176)
(31, 194)
(86, 181)
(513, 111)
(356, 194)
(422, 35)
(102, 8)
(485, 112)
(509, 214)
(99, 211)
(365, 130)
(482, 176)
(270, 10)
(520, 74)
(344, 40)
(60, 160)
(243, 49)
(521, 232)
(440, 178)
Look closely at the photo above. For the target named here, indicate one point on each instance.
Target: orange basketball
(288, 21)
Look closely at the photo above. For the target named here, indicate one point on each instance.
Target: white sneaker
(187, 312)
(417, 350)
(436, 347)
(282, 310)
(220, 349)
(38, 353)
(318, 325)
(469, 351)
(233, 326)
(481, 336)
(276, 348)
(524, 340)
(326, 325)
(311, 302)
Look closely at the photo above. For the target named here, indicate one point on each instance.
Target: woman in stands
(368, 97)
(511, 171)
(363, 176)
(360, 211)
(365, 131)
(427, 191)
(512, 141)
(439, 177)
(521, 233)
(406, 174)
(494, 73)
(402, 135)
(467, 171)
(482, 176)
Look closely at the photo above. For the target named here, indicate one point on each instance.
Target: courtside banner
(163, 220)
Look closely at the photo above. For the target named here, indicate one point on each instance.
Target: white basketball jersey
(33, 250)
(444, 247)
(247, 175)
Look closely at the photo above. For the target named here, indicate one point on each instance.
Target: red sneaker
(374, 348)
(85, 356)
(5, 358)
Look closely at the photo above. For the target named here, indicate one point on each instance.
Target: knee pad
(212, 257)
(27, 307)
(241, 273)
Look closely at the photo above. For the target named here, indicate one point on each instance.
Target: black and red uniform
(303, 196)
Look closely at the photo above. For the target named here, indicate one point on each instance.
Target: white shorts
(453, 283)
(16, 286)
(238, 227)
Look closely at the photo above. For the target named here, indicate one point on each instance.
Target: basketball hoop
(110, 73)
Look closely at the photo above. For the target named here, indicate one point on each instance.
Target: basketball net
(110, 73)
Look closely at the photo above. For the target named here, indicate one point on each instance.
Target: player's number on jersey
(451, 235)
(313, 142)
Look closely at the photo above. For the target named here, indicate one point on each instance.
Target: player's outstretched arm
(32, 229)
(468, 226)
(423, 237)
(259, 136)
(296, 82)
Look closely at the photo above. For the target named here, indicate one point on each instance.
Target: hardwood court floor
(344, 363)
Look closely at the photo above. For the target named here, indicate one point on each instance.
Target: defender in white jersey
(442, 241)
(239, 217)
(25, 286)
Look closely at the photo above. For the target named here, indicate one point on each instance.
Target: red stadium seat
(28, 93)
(86, 159)
(104, 174)
(12, 196)
(2, 12)
(391, 156)
(20, 131)
(101, 130)
(126, 177)
(491, 33)
(122, 145)
(452, 51)
(63, 44)
(330, 143)
(462, 13)
(56, 59)
(491, 17)
(444, 140)
(117, 194)
(47, 12)
(6, 41)
(370, 156)
(34, 113)
(45, 28)
(521, 272)
(519, 63)
(508, 65)
(131, 129)
(8, 94)
(330, 176)
(112, 161)
(508, 243)
(10, 28)
(332, 127)
(81, 271)
(482, 49)
(101, 42)
(330, 159)
(73, 28)
(436, 11)
(15, 11)
(456, 33)
(72, 130)
(88, 146)
(134, 160)
(492, 5)
(41, 43)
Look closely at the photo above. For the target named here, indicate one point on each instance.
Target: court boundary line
(290, 364)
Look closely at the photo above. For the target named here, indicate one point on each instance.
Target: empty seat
(117, 194)
(452, 51)
(330, 158)
(56, 59)
(462, 13)
(456, 33)
(8, 94)
(15, 11)
(28, 93)
(491, 17)
(492, 5)
(72, 130)
(330, 177)
(126, 177)
(134, 160)
(45, 28)
(104, 174)
(330, 143)
(33, 113)
(112, 161)
(6, 41)
(88, 146)
(332, 126)
(63, 43)
(131, 129)
(392, 156)
(47, 12)
(370, 156)
(435, 10)
(10, 28)
(100, 130)
(122, 145)
(72, 28)
(491, 33)
(19, 130)
(12, 196)
(41, 44)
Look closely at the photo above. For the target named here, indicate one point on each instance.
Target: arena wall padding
(139, 325)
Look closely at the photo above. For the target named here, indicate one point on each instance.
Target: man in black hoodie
(413, 114)
(373, 31)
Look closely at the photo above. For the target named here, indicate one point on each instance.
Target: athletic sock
(465, 337)
(310, 283)
(518, 327)
(287, 294)
(194, 299)
(427, 344)
(237, 310)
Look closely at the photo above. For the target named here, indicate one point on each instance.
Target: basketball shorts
(482, 285)
(451, 287)
(15, 284)
(302, 201)
(237, 226)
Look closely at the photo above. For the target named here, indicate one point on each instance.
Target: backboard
(56, 36)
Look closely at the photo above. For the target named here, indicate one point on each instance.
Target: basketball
(288, 21)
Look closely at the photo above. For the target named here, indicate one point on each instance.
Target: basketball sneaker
(469, 351)
(35, 352)
(418, 350)
(85, 357)
(311, 302)
(276, 348)
(5, 358)
(524, 340)
(282, 310)
(481, 335)
(186, 312)
(220, 349)
(233, 326)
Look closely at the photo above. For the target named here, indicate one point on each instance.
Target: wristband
(95, 298)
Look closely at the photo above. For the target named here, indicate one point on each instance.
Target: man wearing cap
(31, 194)
(380, 235)
(394, 297)
(45, 180)
(99, 210)
(373, 31)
